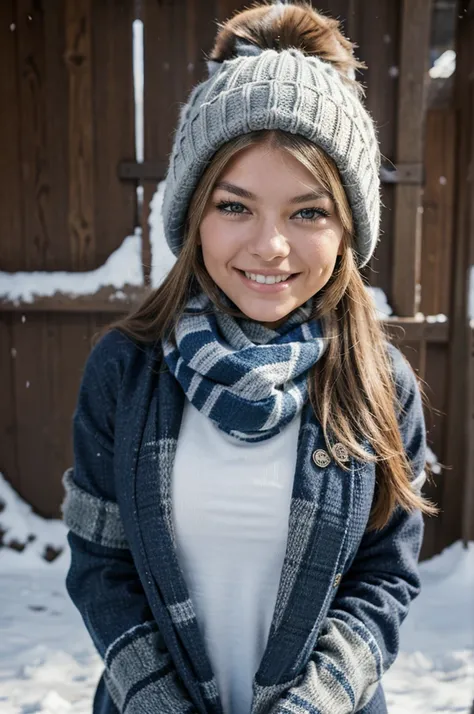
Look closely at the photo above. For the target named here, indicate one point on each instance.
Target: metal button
(340, 452)
(337, 580)
(321, 458)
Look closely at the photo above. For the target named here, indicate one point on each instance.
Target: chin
(265, 315)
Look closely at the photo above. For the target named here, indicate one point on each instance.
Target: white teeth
(267, 279)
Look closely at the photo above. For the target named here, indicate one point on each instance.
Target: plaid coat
(343, 591)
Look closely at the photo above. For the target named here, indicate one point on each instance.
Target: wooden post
(414, 49)
(468, 513)
(458, 493)
(81, 138)
(438, 211)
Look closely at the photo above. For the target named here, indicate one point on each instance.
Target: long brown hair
(351, 388)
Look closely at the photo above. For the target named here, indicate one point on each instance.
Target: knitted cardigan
(343, 591)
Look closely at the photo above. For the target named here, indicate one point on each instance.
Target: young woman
(244, 509)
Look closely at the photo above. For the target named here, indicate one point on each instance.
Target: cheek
(214, 250)
(321, 252)
(218, 246)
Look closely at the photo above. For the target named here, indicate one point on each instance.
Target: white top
(231, 503)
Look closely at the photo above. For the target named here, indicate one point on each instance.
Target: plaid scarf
(250, 380)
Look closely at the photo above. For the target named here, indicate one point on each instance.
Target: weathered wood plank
(11, 232)
(459, 427)
(58, 253)
(406, 329)
(415, 35)
(176, 38)
(82, 234)
(36, 187)
(338, 9)
(114, 201)
(436, 388)
(50, 355)
(107, 299)
(8, 435)
(378, 32)
(224, 9)
(438, 204)
(68, 345)
(468, 511)
(32, 407)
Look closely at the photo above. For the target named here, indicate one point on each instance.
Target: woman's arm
(359, 639)
(102, 580)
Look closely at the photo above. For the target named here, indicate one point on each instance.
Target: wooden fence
(68, 180)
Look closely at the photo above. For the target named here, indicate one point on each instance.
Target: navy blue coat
(343, 592)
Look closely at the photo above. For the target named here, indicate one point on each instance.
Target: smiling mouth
(263, 279)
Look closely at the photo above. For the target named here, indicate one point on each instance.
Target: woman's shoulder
(405, 379)
(114, 354)
(117, 346)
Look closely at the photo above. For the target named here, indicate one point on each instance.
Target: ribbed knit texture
(284, 90)
(248, 379)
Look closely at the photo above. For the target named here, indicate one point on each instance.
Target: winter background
(48, 664)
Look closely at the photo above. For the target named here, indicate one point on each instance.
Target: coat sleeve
(359, 639)
(102, 580)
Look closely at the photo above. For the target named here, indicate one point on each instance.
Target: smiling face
(270, 234)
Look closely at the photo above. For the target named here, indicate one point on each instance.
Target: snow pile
(47, 662)
(434, 318)
(22, 530)
(162, 257)
(123, 267)
(435, 668)
(381, 302)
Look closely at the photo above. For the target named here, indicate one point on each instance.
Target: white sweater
(231, 502)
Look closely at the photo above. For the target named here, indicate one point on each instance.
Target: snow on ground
(435, 669)
(48, 664)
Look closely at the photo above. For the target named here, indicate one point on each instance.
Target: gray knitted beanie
(287, 90)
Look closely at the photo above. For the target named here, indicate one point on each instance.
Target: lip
(267, 271)
(263, 287)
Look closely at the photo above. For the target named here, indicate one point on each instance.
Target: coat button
(340, 452)
(337, 580)
(321, 458)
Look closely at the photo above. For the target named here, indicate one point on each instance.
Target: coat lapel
(320, 513)
(319, 518)
(153, 501)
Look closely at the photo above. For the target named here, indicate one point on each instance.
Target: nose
(269, 243)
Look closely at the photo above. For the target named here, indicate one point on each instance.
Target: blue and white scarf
(250, 380)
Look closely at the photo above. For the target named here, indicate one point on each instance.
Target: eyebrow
(243, 193)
